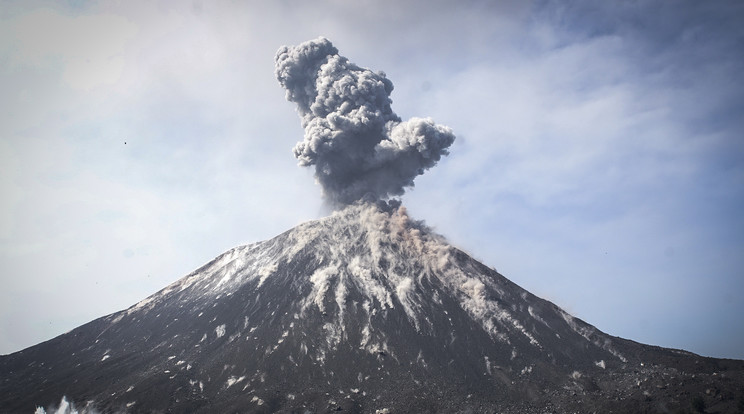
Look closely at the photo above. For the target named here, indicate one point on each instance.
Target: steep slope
(364, 310)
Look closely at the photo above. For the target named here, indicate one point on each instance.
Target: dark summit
(363, 311)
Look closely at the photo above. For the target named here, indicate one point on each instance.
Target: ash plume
(360, 148)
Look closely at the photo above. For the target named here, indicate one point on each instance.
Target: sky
(598, 159)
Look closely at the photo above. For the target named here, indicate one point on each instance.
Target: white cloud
(89, 49)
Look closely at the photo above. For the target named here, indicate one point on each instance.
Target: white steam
(67, 407)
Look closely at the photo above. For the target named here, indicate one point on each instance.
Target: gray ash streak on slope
(360, 148)
(363, 310)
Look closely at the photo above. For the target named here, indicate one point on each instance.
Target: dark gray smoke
(360, 148)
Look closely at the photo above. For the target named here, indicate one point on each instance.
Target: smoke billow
(360, 148)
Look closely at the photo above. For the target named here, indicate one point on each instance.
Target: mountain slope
(364, 310)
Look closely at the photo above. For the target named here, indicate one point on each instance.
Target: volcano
(366, 310)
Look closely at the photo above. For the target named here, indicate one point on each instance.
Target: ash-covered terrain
(363, 311)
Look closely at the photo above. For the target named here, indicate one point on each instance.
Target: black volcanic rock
(362, 311)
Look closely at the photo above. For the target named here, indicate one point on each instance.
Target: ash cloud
(360, 148)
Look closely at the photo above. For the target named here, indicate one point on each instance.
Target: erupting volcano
(366, 310)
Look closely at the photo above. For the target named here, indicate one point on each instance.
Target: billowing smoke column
(360, 148)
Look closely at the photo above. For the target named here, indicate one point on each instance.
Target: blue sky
(599, 160)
